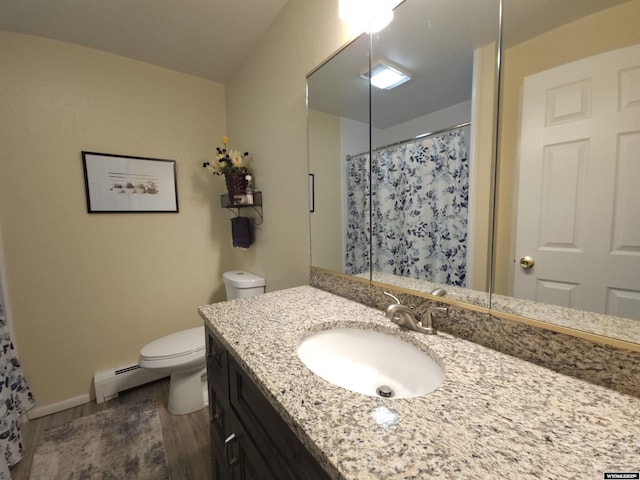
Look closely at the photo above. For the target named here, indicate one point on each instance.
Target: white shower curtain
(419, 196)
(357, 228)
(15, 400)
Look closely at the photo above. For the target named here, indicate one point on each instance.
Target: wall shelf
(233, 204)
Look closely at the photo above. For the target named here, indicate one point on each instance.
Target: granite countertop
(460, 294)
(625, 329)
(494, 417)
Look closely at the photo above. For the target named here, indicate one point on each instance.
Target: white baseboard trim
(37, 412)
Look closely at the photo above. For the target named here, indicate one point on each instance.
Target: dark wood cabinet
(250, 440)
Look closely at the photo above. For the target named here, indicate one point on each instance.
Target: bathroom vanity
(494, 416)
(249, 438)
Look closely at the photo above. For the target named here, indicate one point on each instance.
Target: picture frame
(129, 184)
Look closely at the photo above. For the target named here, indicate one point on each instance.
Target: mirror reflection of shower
(407, 213)
(419, 198)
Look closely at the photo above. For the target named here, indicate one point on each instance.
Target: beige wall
(481, 174)
(88, 290)
(325, 162)
(616, 27)
(266, 114)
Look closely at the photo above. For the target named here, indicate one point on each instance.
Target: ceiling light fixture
(385, 76)
(366, 15)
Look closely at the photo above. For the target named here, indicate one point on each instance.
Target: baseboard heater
(111, 382)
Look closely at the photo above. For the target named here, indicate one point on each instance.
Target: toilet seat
(180, 344)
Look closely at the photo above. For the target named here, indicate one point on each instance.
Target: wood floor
(186, 437)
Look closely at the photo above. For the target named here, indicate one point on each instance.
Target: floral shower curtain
(15, 400)
(420, 194)
(357, 228)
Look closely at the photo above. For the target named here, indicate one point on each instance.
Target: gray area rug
(120, 443)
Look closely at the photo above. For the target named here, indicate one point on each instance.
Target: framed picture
(124, 184)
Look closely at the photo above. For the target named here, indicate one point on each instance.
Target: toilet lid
(177, 344)
(242, 279)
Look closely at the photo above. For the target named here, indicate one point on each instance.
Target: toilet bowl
(181, 355)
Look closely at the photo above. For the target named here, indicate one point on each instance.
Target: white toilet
(182, 354)
(240, 284)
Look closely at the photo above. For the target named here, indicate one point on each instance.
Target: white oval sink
(370, 362)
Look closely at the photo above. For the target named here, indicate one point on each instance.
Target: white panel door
(579, 185)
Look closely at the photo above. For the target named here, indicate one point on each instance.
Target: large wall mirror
(402, 174)
(568, 202)
(566, 245)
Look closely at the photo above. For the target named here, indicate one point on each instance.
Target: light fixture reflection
(386, 77)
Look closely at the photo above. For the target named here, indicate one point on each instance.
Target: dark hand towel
(241, 232)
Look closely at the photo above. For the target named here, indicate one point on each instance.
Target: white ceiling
(205, 38)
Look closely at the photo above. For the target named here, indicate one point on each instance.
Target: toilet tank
(240, 284)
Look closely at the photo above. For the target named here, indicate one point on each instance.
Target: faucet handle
(392, 296)
(432, 310)
(430, 328)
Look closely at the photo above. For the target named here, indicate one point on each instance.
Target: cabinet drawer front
(268, 430)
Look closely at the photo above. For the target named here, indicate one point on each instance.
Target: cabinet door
(217, 368)
(243, 458)
(219, 420)
(218, 386)
(286, 454)
(219, 409)
(238, 458)
(249, 439)
(220, 468)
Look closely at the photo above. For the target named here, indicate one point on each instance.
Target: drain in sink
(385, 391)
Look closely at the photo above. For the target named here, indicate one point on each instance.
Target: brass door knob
(527, 262)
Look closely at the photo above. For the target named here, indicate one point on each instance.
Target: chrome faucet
(406, 317)
(403, 316)
(429, 328)
(438, 292)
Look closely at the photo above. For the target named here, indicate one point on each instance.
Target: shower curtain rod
(417, 137)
